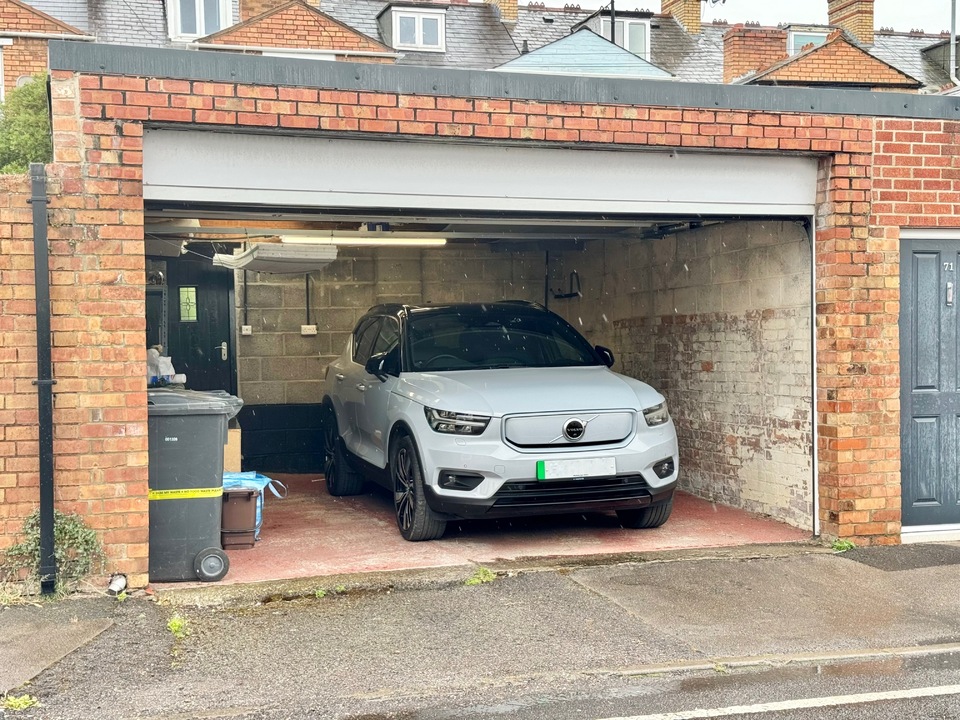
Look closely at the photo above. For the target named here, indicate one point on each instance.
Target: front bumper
(532, 497)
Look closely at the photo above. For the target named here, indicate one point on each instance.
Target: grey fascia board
(229, 67)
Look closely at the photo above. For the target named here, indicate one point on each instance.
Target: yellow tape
(186, 493)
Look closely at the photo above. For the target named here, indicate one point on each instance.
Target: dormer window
(419, 29)
(630, 34)
(190, 19)
(799, 39)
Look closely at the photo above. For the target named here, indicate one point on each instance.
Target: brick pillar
(508, 10)
(685, 12)
(748, 48)
(99, 316)
(854, 16)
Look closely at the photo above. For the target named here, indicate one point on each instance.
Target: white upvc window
(631, 34)
(190, 19)
(799, 39)
(420, 29)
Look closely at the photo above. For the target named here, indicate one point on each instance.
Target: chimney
(507, 9)
(854, 16)
(748, 48)
(685, 12)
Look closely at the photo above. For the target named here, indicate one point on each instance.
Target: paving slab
(796, 604)
(34, 638)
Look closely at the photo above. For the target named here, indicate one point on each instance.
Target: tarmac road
(617, 641)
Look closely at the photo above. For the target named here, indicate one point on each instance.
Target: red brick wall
(252, 8)
(26, 56)
(22, 18)
(747, 49)
(99, 313)
(839, 62)
(298, 28)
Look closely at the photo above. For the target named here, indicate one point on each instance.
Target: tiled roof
(542, 26)
(691, 58)
(904, 52)
(72, 12)
(475, 37)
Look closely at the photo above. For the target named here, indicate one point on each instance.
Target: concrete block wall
(277, 365)
(718, 320)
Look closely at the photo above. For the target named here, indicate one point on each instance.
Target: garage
(694, 268)
(669, 222)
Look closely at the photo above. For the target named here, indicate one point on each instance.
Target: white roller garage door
(259, 169)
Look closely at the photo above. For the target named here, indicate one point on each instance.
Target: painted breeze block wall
(278, 365)
(718, 320)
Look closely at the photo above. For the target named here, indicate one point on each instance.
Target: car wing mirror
(375, 366)
(606, 355)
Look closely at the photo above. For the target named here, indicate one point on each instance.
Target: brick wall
(718, 319)
(253, 8)
(278, 365)
(747, 49)
(856, 250)
(297, 27)
(25, 57)
(838, 61)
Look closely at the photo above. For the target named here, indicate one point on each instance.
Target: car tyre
(415, 519)
(341, 478)
(652, 516)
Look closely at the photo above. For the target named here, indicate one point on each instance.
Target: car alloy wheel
(414, 517)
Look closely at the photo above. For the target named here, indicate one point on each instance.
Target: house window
(197, 18)
(188, 304)
(419, 30)
(630, 34)
(796, 41)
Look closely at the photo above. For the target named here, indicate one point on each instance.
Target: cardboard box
(231, 451)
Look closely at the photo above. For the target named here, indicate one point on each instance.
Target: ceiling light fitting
(361, 241)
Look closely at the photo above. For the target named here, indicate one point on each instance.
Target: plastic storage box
(187, 431)
(239, 525)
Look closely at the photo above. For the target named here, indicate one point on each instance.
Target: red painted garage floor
(310, 534)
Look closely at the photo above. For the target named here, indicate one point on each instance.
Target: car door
(350, 385)
(372, 416)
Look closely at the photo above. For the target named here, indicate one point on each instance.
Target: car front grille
(554, 492)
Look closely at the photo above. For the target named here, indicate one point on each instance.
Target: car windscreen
(493, 337)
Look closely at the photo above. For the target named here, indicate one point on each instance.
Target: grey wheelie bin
(187, 431)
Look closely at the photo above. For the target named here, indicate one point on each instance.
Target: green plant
(16, 703)
(77, 549)
(842, 546)
(320, 593)
(481, 576)
(121, 596)
(25, 127)
(177, 625)
(339, 589)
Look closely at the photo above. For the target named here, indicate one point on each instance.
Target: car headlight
(447, 421)
(656, 415)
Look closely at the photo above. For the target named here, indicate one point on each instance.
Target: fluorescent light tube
(362, 241)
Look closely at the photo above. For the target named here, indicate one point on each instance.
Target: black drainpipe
(44, 381)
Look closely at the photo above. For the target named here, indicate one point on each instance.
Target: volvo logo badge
(573, 429)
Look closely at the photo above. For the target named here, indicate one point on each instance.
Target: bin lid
(172, 401)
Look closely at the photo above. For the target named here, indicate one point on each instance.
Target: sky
(902, 15)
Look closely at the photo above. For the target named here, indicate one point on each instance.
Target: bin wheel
(211, 564)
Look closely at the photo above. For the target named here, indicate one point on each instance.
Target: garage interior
(699, 288)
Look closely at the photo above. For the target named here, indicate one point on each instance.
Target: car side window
(363, 339)
(389, 336)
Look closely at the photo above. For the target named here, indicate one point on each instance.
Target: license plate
(576, 468)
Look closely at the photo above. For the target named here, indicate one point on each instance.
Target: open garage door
(694, 268)
(281, 171)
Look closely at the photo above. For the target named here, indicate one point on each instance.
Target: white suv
(493, 410)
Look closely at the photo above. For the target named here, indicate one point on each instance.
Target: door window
(364, 338)
(188, 304)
